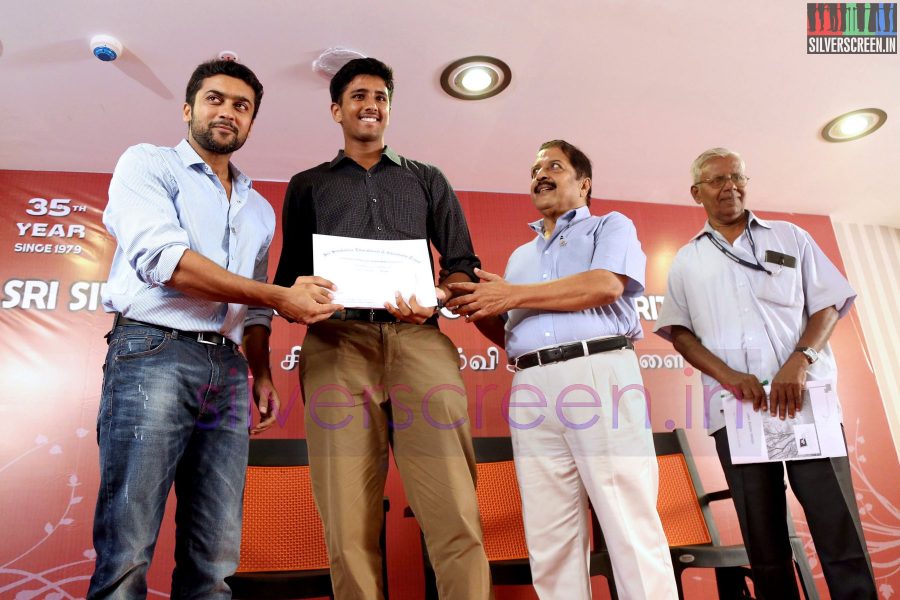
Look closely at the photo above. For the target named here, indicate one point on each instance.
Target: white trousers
(580, 430)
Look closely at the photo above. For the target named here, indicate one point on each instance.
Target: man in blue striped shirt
(193, 240)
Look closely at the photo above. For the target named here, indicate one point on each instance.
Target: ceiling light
(476, 77)
(854, 125)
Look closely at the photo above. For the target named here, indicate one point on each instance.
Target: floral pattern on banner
(56, 582)
(880, 520)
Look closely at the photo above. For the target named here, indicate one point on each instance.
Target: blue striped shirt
(580, 242)
(163, 201)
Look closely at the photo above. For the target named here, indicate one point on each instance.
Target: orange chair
(684, 509)
(283, 552)
(500, 506)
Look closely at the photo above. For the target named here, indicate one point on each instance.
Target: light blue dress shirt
(163, 201)
(747, 318)
(580, 242)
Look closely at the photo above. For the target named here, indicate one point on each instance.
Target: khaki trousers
(579, 431)
(367, 386)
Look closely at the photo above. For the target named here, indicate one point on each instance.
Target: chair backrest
(499, 501)
(684, 520)
(282, 530)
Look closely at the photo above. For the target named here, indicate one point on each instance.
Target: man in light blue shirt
(193, 240)
(751, 300)
(577, 413)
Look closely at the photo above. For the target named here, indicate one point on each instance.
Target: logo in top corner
(851, 28)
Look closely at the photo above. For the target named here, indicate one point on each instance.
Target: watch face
(811, 355)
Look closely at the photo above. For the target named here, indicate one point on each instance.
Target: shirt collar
(573, 216)
(388, 153)
(189, 158)
(751, 219)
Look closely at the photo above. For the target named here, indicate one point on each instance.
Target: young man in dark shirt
(374, 378)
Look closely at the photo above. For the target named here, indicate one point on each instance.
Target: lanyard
(757, 266)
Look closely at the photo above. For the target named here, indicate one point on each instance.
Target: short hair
(579, 160)
(356, 67)
(708, 155)
(218, 66)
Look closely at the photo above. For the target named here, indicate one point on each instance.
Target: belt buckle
(553, 355)
(201, 337)
(371, 315)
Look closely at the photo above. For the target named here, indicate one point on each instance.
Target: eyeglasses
(738, 179)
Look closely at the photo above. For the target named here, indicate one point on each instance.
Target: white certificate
(369, 273)
(815, 431)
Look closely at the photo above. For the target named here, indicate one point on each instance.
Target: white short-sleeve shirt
(750, 319)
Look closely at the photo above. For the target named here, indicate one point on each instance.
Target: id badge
(777, 258)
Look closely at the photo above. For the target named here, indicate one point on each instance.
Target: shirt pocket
(782, 288)
(404, 213)
(574, 253)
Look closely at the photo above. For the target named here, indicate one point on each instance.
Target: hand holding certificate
(369, 273)
(815, 431)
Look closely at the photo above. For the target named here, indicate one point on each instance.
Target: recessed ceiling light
(476, 77)
(854, 125)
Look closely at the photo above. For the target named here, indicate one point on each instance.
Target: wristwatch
(810, 354)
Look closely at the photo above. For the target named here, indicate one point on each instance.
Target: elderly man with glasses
(751, 300)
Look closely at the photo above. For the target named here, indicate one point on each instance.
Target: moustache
(225, 124)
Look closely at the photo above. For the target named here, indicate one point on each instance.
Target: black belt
(372, 315)
(574, 350)
(204, 337)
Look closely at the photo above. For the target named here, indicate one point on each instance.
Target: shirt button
(546, 334)
(544, 276)
(374, 199)
(379, 228)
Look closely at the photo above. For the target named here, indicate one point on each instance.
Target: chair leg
(431, 592)
(807, 582)
(611, 583)
(678, 585)
(731, 582)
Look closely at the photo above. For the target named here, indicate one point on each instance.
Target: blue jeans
(172, 410)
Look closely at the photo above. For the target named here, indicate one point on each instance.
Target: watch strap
(810, 354)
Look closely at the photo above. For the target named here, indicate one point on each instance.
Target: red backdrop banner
(55, 257)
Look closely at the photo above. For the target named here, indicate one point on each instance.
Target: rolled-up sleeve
(141, 215)
(260, 315)
(618, 250)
